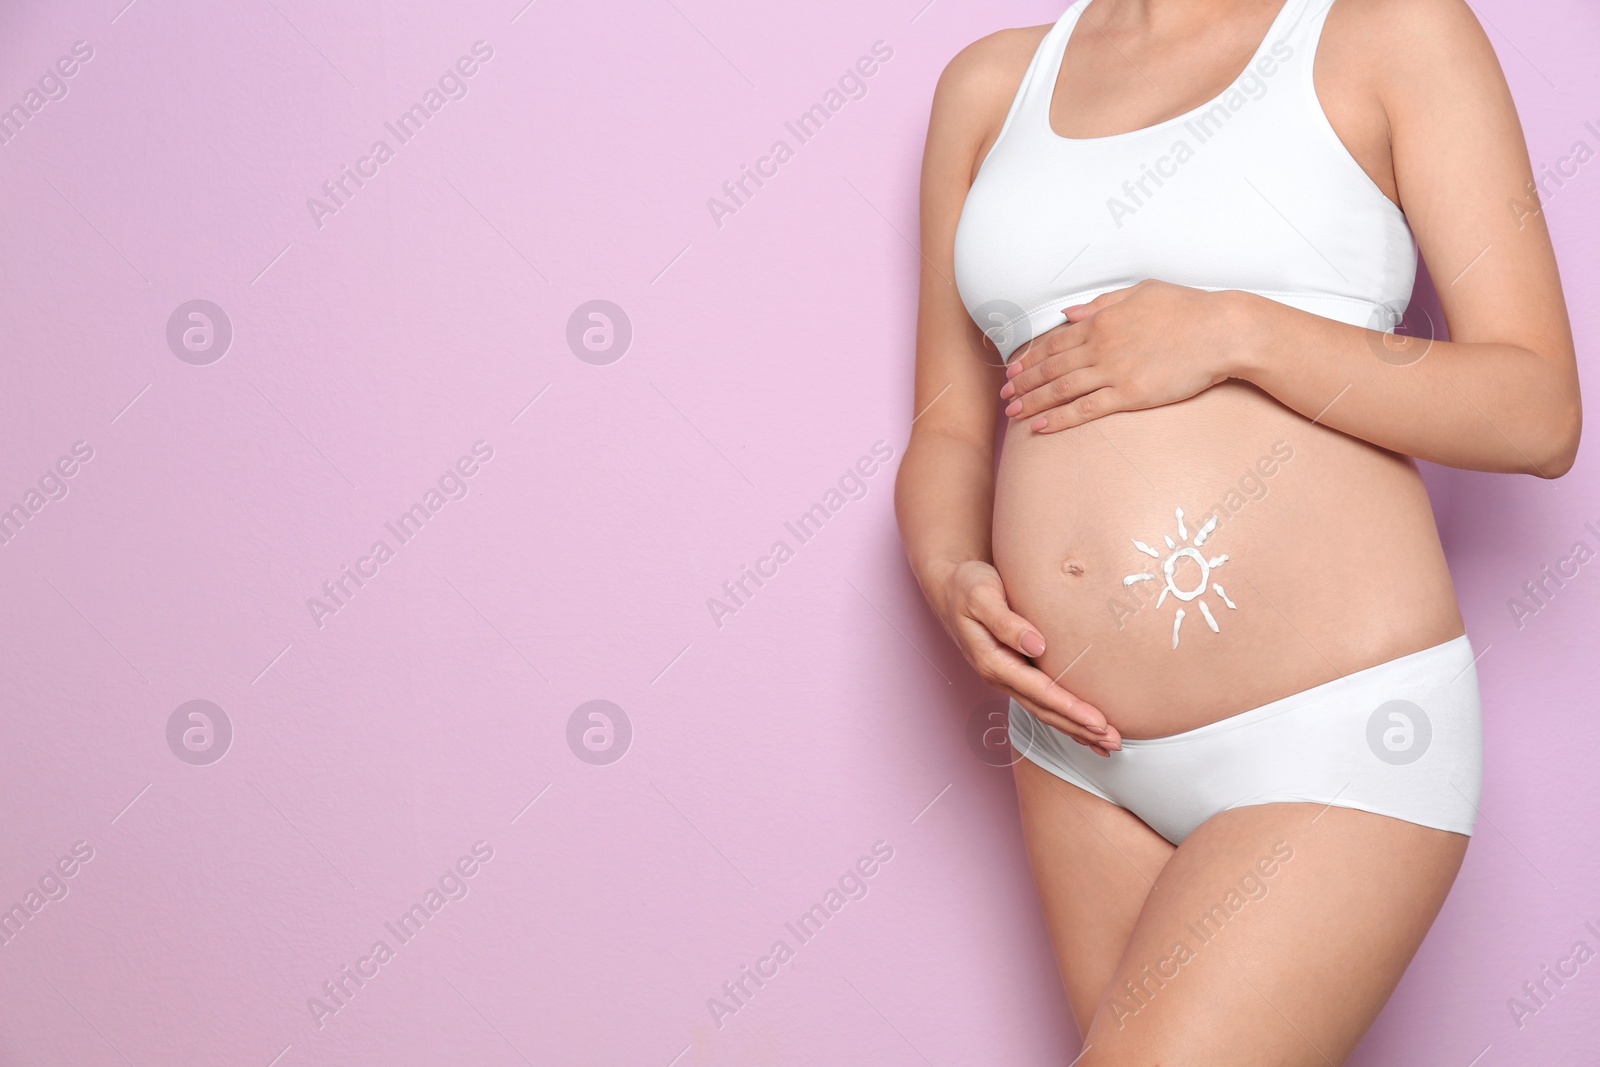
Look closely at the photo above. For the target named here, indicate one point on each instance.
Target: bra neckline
(1074, 15)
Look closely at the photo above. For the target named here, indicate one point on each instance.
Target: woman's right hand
(997, 642)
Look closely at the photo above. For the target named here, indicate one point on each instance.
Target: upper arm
(958, 376)
(1461, 168)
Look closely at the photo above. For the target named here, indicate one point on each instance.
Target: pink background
(431, 711)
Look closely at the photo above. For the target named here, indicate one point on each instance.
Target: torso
(1333, 559)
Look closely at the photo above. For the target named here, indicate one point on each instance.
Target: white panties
(1402, 739)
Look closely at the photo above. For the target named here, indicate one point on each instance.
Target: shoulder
(1407, 44)
(983, 78)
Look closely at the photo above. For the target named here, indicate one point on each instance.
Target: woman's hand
(1150, 344)
(996, 641)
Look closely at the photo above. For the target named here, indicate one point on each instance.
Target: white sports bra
(1252, 190)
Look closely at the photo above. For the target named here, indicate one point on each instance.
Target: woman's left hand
(1150, 344)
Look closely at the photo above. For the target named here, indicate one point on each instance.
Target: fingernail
(1013, 409)
(1038, 424)
(1006, 391)
(1100, 729)
(1032, 643)
(1013, 370)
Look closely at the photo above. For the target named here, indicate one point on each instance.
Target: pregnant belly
(1190, 562)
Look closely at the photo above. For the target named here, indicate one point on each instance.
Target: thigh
(1274, 937)
(1093, 864)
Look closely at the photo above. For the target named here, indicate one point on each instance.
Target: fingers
(1100, 744)
(1084, 409)
(1038, 391)
(990, 611)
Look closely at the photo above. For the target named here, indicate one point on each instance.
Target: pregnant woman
(1170, 240)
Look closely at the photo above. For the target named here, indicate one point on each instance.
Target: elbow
(1560, 442)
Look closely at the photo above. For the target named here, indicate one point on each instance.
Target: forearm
(1480, 406)
(944, 498)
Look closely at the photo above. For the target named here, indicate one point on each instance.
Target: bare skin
(1413, 90)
